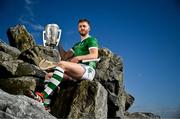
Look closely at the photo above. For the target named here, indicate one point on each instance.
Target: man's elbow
(95, 56)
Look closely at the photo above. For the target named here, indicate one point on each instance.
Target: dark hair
(84, 20)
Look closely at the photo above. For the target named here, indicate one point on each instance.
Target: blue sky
(145, 33)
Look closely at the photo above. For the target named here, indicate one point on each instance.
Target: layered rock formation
(21, 107)
(102, 98)
(20, 38)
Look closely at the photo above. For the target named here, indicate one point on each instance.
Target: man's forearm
(64, 55)
(87, 57)
(93, 54)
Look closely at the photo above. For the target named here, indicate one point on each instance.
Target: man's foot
(48, 109)
(40, 98)
(47, 105)
(35, 95)
(45, 64)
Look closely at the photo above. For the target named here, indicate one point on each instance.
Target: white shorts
(89, 72)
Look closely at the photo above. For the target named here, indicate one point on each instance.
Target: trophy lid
(51, 25)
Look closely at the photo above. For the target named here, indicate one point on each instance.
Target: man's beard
(84, 33)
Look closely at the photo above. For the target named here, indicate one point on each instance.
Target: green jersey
(82, 48)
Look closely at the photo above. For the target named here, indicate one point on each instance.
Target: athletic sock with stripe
(55, 80)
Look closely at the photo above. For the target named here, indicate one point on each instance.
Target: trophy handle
(44, 41)
(58, 40)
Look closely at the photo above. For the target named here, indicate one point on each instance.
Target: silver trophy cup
(51, 35)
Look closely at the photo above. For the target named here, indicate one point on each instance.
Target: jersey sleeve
(92, 43)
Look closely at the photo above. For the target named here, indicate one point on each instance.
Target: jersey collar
(83, 38)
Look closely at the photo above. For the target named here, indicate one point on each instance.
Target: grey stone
(18, 85)
(88, 100)
(17, 68)
(141, 115)
(21, 107)
(9, 68)
(26, 69)
(5, 57)
(20, 38)
(14, 52)
(37, 53)
(109, 73)
(129, 101)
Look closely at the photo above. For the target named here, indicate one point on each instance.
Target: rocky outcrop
(17, 76)
(38, 53)
(90, 103)
(104, 97)
(83, 99)
(12, 51)
(21, 107)
(141, 115)
(109, 73)
(20, 38)
(129, 101)
(18, 85)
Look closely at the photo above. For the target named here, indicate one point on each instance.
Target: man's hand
(48, 75)
(75, 59)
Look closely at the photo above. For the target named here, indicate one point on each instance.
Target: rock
(129, 101)
(9, 68)
(91, 101)
(5, 57)
(18, 85)
(141, 115)
(14, 52)
(62, 101)
(36, 54)
(109, 73)
(87, 100)
(104, 97)
(19, 68)
(26, 69)
(20, 38)
(21, 107)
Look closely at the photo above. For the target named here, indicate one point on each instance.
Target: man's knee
(62, 64)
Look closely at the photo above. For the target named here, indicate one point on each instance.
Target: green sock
(55, 80)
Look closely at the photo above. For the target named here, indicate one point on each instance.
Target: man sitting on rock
(86, 49)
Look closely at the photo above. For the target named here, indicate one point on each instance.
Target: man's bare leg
(63, 70)
(73, 70)
(50, 74)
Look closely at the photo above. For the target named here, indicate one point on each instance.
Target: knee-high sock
(55, 80)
